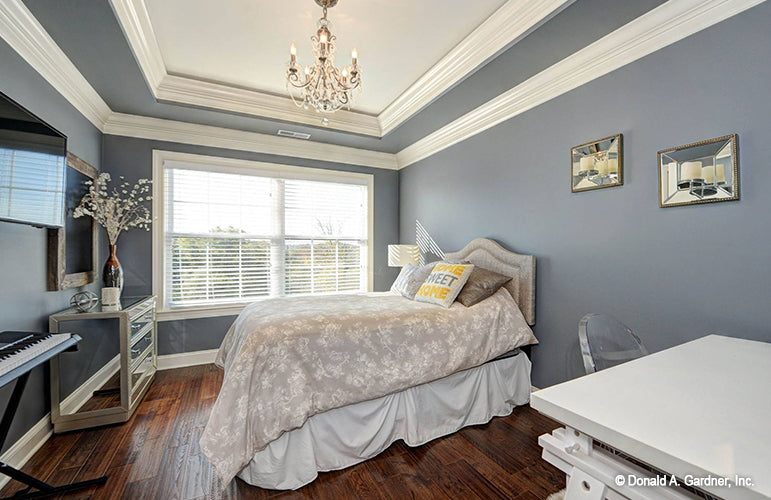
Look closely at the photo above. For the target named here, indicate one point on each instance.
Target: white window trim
(160, 157)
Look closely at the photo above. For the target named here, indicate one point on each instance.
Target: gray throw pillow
(481, 284)
(410, 278)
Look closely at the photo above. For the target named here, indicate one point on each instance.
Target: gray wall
(133, 159)
(24, 302)
(671, 274)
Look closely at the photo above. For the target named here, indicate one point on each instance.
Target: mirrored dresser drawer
(142, 373)
(140, 322)
(141, 344)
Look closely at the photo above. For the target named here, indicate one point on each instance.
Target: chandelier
(322, 86)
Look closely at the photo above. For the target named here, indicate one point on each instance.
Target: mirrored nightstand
(127, 378)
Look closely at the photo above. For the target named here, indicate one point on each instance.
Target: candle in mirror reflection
(690, 170)
(720, 172)
(708, 174)
(602, 167)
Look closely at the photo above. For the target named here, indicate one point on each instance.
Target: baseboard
(79, 396)
(183, 359)
(23, 449)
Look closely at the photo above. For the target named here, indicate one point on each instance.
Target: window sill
(199, 312)
(214, 311)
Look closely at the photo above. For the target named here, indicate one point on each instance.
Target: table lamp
(401, 255)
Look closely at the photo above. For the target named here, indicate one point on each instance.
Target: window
(232, 231)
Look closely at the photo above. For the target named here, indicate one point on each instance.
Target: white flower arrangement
(113, 210)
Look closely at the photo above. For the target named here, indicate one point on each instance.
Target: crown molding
(508, 25)
(20, 29)
(157, 129)
(662, 26)
(134, 20)
(193, 92)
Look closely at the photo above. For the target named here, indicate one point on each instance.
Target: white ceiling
(245, 43)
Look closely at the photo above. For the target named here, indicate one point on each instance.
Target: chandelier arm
(294, 79)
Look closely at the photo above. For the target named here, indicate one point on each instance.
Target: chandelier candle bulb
(293, 53)
(354, 57)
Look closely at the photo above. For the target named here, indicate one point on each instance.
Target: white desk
(699, 409)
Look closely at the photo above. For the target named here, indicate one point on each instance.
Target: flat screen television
(33, 162)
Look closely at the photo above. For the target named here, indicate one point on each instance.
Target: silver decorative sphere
(84, 301)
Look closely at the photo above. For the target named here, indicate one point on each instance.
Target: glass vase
(112, 274)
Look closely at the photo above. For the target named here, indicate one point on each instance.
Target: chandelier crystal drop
(323, 87)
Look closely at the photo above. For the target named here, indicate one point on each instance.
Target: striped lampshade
(401, 255)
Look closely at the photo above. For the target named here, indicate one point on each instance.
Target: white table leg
(593, 472)
(582, 486)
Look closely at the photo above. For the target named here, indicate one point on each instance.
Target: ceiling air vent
(294, 135)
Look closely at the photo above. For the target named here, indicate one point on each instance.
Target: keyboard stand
(21, 375)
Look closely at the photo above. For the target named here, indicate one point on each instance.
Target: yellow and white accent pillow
(444, 283)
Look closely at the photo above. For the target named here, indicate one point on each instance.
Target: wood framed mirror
(73, 249)
(597, 164)
(702, 172)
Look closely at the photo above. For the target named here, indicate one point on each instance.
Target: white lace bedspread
(288, 359)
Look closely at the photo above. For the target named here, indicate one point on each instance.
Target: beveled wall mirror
(597, 164)
(702, 172)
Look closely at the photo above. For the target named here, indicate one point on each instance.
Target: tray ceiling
(245, 43)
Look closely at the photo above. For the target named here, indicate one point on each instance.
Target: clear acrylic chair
(607, 342)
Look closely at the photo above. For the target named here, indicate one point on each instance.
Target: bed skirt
(345, 436)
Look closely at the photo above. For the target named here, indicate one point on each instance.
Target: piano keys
(17, 348)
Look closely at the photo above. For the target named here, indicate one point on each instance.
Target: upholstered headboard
(490, 255)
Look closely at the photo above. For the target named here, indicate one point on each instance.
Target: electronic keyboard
(20, 352)
(15, 352)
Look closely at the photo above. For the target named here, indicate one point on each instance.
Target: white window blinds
(233, 237)
(325, 235)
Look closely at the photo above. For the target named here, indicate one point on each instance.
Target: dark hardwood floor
(156, 455)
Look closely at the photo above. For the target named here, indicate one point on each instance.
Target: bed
(321, 383)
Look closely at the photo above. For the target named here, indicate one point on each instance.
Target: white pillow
(409, 280)
(444, 283)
